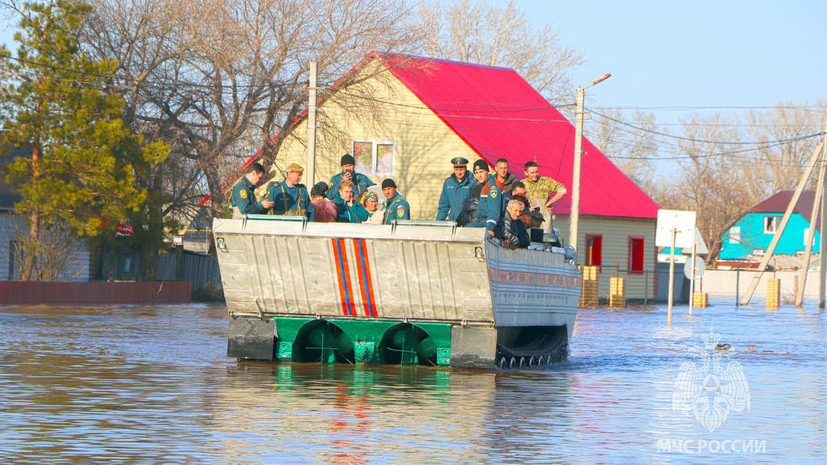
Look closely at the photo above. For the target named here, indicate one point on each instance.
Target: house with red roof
(750, 236)
(406, 117)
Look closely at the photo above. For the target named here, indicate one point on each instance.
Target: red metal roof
(500, 115)
(778, 204)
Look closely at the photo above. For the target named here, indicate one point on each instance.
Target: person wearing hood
(455, 190)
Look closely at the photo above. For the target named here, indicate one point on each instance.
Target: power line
(690, 139)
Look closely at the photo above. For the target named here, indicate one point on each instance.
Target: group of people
(505, 206)
(347, 198)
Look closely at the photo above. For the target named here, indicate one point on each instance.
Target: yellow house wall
(424, 144)
(616, 233)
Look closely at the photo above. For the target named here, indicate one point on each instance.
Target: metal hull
(482, 296)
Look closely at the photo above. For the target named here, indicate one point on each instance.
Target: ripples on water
(138, 384)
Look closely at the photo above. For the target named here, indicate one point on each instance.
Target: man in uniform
(244, 197)
(290, 197)
(491, 199)
(504, 178)
(359, 180)
(455, 190)
(397, 207)
(542, 192)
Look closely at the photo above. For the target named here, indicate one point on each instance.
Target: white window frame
(774, 224)
(373, 158)
(735, 235)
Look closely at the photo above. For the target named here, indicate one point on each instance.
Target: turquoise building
(751, 235)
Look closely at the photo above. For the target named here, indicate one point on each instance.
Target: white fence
(732, 282)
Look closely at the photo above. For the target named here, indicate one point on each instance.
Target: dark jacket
(515, 235)
(453, 195)
(506, 185)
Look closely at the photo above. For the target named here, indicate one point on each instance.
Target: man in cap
(397, 207)
(542, 192)
(359, 180)
(455, 190)
(491, 199)
(326, 211)
(290, 197)
(244, 197)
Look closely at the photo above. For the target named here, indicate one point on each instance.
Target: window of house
(594, 250)
(807, 233)
(770, 224)
(636, 255)
(735, 235)
(374, 157)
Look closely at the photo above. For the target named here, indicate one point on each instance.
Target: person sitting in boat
(490, 204)
(359, 180)
(326, 211)
(515, 235)
(290, 197)
(397, 207)
(371, 204)
(244, 197)
(349, 210)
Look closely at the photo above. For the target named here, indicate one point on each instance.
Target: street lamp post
(578, 155)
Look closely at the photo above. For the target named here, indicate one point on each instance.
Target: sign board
(700, 266)
(683, 222)
(700, 245)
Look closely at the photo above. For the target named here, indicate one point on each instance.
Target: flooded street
(152, 384)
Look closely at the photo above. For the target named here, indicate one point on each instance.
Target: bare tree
(709, 182)
(479, 32)
(628, 144)
(783, 149)
(216, 77)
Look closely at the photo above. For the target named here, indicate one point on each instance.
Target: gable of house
(752, 234)
(434, 110)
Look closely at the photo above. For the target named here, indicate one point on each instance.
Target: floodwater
(152, 384)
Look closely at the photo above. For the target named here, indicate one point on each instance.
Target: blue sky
(694, 54)
(690, 55)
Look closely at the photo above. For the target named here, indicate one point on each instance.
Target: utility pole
(578, 156)
(674, 233)
(808, 246)
(822, 271)
(777, 237)
(310, 179)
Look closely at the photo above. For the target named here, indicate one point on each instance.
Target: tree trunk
(30, 249)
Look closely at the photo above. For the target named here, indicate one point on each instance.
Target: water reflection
(152, 384)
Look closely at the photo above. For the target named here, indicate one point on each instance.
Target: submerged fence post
(737, 285)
